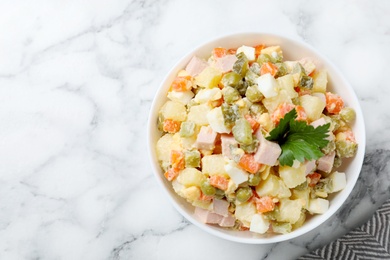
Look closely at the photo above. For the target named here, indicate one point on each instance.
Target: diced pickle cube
(241, 66)
(192, 158)
(230, 95)
(253, 94)
(187, 129)
(242, 132)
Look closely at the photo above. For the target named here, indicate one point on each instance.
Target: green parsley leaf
(298, 140)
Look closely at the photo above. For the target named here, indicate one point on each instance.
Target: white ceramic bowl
(292, 50)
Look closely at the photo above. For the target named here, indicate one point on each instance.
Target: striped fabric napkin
(369, 241)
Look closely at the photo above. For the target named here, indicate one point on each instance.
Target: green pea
(250, 148)
(251, 77)
(254, 179)
(219, 194)
(306, 82)
(207, 188)
(243, 194)
(192, 158)
(231, 79)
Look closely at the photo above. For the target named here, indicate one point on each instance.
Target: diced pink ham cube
(221, 207)
(207, 216)
(226, 142)
(225, 63)
(325, 163)
(206, 138)
(228, 221)
(319, 122)
(268, 152)
(196, 66)
(310, 166)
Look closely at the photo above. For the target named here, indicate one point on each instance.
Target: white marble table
(76, 82)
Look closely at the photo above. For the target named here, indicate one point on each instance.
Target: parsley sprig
(298, 140)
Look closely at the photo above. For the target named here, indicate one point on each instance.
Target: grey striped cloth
(369, 241)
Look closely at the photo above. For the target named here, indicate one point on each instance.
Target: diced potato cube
(318, 206)
(259, 224)
(191, 193)
(313, 106)
(300, 221)
(237, 175)
(267, 85)
(320, 81)
(213, 164)
(165, 145)
(291, 176)
(302, 195)
(308, 65)
(183, 97)
(198, 114)
(245, 212)
(190, 177)
(249, 52)
(265, 121)
(216, 120)
(272, 103)
(339, 181)
(273, 186)
(270, 50)
(174, 110)
(287, 83)
(204, 204)
(208, 78)
(289, 211)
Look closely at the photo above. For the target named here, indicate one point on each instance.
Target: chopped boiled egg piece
(183, 97)
(237, 175)
(259, 224)
(216, 121)
(267, 85)
(318, 206)
(339, 181)
(249, 52)
(206, 95)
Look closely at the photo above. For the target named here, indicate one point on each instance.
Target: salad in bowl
(255, 142)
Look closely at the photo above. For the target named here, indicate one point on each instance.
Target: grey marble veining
(77, 79)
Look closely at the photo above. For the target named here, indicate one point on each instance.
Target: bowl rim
(151, 124)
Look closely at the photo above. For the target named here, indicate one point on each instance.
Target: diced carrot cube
(281, 111)
(219, 182)
(248, 163)
(258, 49)
(264, 204)
(219, 52)
(177, 160)
(205, 197)
(231, 51)
(171, 174)
(181, 84)
(334, 103)
(350, 136)
(171, 126)
(268, 67)
(301, 113)
(252, 121)
(314, 178)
